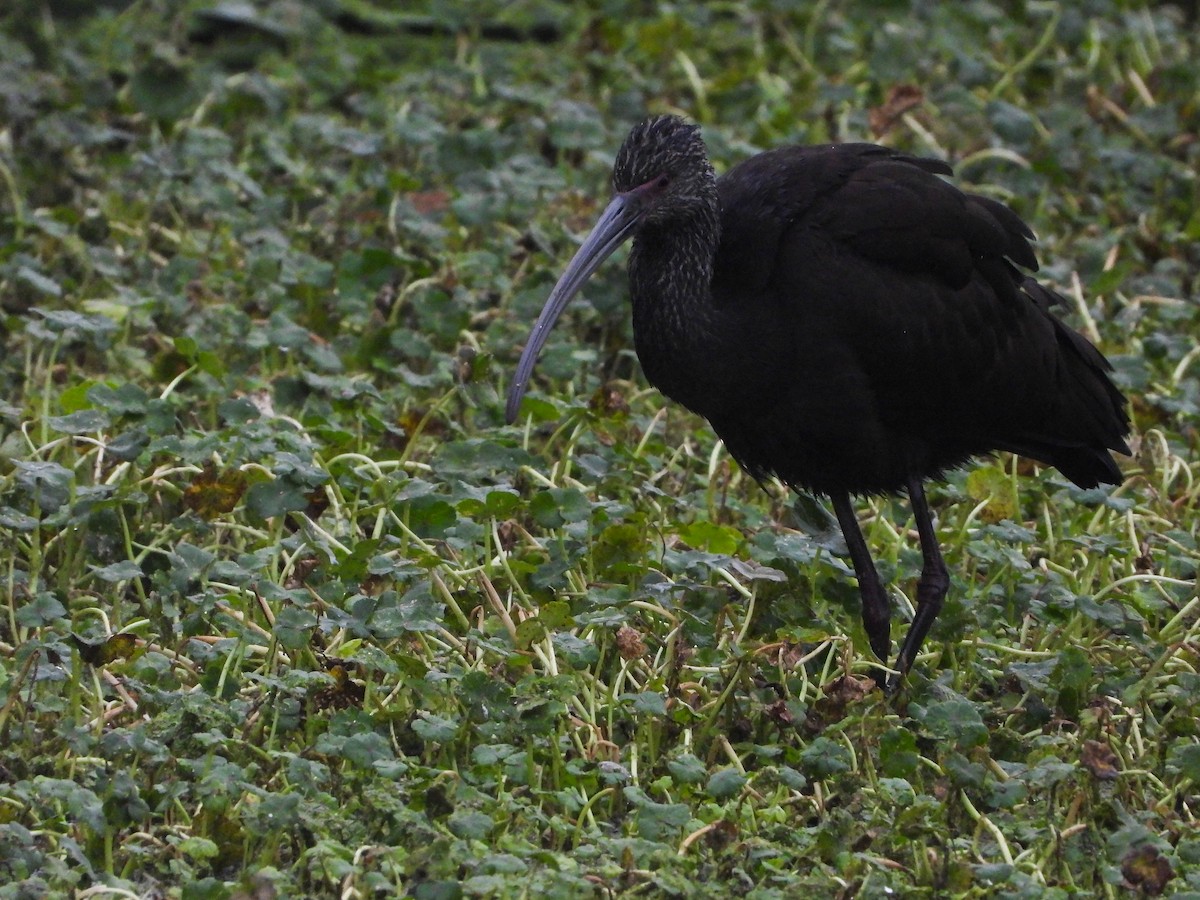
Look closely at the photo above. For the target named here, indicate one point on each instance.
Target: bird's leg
(931, 587)
(876, 607)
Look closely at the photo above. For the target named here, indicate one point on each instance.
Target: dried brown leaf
(1099, 759)
(900, 99)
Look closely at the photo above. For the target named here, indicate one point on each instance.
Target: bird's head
(661, 176)
(664, 164)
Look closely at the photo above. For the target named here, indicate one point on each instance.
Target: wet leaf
(81, 422)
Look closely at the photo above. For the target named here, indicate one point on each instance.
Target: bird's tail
(1091, 417)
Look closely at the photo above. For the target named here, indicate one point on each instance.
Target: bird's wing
(901, 305)
(884, 206)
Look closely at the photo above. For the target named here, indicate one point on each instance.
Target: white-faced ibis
(849, 322)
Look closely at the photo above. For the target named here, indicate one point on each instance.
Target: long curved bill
(614, 226)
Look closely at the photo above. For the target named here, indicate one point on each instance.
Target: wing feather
(902, 305)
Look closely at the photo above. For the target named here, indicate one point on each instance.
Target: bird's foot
(887, 680)
(891, 680)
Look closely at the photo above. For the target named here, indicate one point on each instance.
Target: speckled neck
(670, 278)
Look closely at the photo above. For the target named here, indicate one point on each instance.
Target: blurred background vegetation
(287, 609)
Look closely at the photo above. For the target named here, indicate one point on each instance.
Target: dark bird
(850, 322)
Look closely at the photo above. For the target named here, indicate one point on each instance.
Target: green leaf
(1073, 678)
(613, 773)
(39, 282)
(529, 632)
(472, 825)
(792, 779)
(470, 459)
(238, 411)
(438, 890)
(898, 757)
(711, 537)
(955, 721)
(500, 504)
(578, 652)
(81, 804)
(272, 814)
(367, 750)
(897, 791)
(75, 398)
(963, 772)
(823, 758)
(1049, 772)
(43, 609)
(268, 499)
(994, 488)
(198, 848)
(48, 483)
(554, 507)
(646, 703)
(126, 399)
(1007, 794)
(128, 445)
(555, 614)
(17, 521)
(725, 784)
(121, 571)
(294, 627)
(392, 615)
(71, 323)
(189, 562)
(82, 422)
(657, 821)
(435, 729)
(687, 769)
(163, 88)
(1184, 759)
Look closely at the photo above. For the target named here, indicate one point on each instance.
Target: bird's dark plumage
(850, 322)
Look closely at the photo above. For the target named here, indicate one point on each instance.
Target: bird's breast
(672, 354)
(701, 357)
